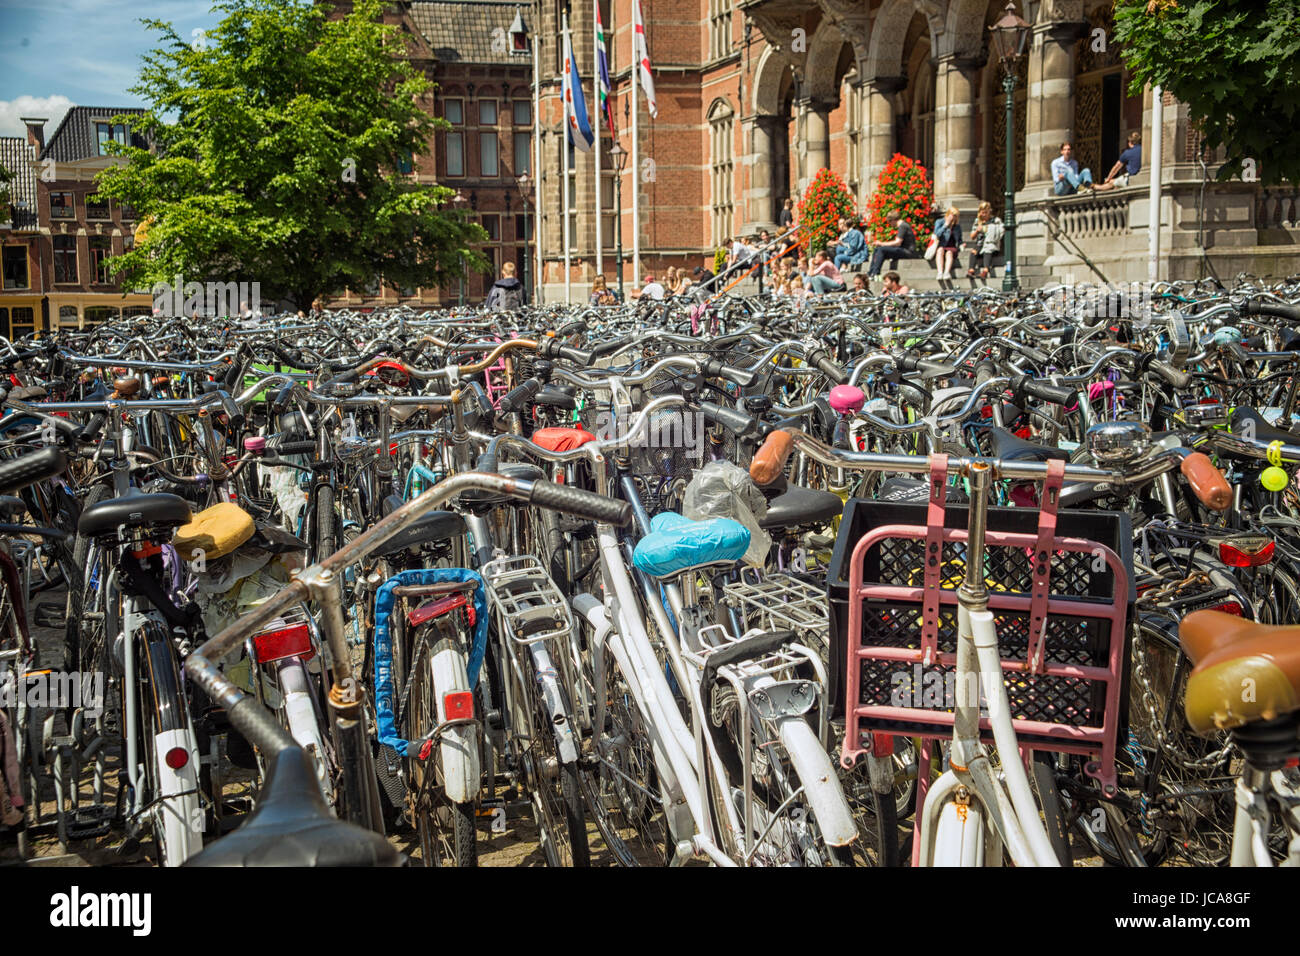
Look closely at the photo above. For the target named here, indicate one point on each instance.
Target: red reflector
(459, 704)
(1228, 607)
(292, 641)
(427, 612)
(177, 757)
(1245, 556)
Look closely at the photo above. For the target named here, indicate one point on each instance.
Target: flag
(643, 58)
(602, 71)
(575, 106)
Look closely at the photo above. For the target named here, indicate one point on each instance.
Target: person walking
(1067, 178)
(507, 293)
(902, 246)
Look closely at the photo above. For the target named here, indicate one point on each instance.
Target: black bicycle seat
(1010, 448)
(800, 506)
(1263, 431)
(134, 510)
(292, 826)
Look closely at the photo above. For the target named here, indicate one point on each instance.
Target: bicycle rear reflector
(177, 757)
(1247, 551)
(459, 705)
(291, 641)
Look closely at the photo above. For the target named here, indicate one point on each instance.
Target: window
(455, 154)
(65, 258)
(453, 112)
(134, 310)
(96, 208)
(721, 117)
(523, 113)
(23, 319)
(405, 163)
(100, 313)
(62, 206)
(487, 154)
(101, 247)
(523, 153)
(68, 315)
(487, 112)
(109, 132)
(522, 227)
(719, 28)
(15, 267)
(492, 224)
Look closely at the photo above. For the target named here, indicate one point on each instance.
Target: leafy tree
(1235, 63)
(6, 178)
(820, 209)
(276, 143)
(905, 185)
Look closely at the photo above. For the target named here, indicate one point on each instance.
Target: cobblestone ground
(516, 845)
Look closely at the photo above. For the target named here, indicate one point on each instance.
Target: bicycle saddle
(1245, 671)
(562, 439)
(676, 544)
(434, 526)
(134, 510)
(1010, 448)
(292, 827)
(1263, 431)
(800, 506)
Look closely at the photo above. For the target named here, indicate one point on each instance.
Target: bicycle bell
(1118, 443)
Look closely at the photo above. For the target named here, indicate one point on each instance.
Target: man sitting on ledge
(1067, 178)
(902, 246)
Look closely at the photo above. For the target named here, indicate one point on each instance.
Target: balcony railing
(1278, 207)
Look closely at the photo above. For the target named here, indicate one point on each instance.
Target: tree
(6, 178)
(276, 143)
(905, 185)
(1235, 63)
(820, 209)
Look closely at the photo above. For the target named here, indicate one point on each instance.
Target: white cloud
(51, 107)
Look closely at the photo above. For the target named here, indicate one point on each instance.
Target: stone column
(954, 132)
(760, 140)
(1049, 120)
(816, 140)
(877, 127)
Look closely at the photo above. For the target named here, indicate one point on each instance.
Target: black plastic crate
(1073, 640)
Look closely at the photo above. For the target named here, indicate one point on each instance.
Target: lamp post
(523, 181)
(1009, 35)
(459, 202)
(618, 156)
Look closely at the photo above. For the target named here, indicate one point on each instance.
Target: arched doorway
(916, 120)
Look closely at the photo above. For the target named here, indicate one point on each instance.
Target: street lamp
(618, 156)
(1009, 35)
(523, 181)
(459, 202)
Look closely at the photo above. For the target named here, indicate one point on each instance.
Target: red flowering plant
(904, 185)
(820, 209)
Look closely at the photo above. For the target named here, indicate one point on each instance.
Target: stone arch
(771, 79)
(889, 33)
(965, 27)
(824, 53)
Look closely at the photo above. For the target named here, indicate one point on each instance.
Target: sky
(55, 54)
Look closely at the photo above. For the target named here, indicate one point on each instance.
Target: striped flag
(575, 105)
(643, 58)
(602, 71)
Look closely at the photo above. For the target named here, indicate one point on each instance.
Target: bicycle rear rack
(781, 601)
(529, 603)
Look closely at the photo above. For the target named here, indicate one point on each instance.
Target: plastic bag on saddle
(723, 490)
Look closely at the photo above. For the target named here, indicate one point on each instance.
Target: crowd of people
(791, 273)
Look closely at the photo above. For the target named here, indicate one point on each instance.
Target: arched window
(923, 113)
(721, 117)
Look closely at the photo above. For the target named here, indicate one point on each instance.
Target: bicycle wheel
(79, 632)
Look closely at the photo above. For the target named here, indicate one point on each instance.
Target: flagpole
(595, 125)
(564, 156)
(636, 161)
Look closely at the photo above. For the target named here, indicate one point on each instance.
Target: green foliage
(6, 178)
(1235, 63)
(904, 184)
(277, 137)
(826, 200)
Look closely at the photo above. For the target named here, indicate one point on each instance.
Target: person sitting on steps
(985, 240)
(851, 250)
(902, 246)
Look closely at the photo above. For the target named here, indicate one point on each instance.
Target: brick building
(59, 233)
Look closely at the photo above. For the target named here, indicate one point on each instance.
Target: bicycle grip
(260, 727)
(295, 448)
(1277, 309)
(31, 468)
(769, 461)
(1056, 394)
(1206, 481)
(1170, 374)
(519, 396)
(718, 369)
(737, 422)
(585, 504)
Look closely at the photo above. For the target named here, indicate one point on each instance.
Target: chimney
(35, 132)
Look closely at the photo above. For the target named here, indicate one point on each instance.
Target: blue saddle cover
(676, 543)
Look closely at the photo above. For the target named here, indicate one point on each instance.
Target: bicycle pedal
(90, 822)
(49, 615)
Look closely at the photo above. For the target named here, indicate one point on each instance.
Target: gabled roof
(16, 155)
(462, 32)
(76, 138)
